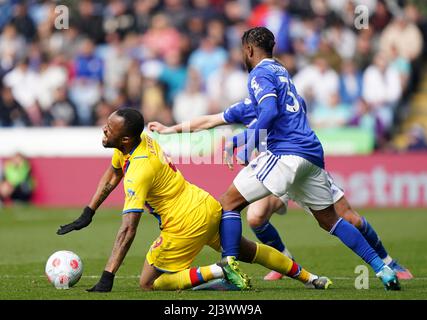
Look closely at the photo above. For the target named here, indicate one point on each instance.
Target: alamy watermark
(62, 17)
(211, 146)
(362, 280)
(361, 17)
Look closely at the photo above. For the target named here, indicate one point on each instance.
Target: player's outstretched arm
(197, 124)
(124, 239)
(108, 182)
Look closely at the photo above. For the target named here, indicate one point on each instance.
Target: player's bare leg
(149, 274)
(261, 210)
(258, 216)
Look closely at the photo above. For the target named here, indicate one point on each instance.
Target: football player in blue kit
(293, 162)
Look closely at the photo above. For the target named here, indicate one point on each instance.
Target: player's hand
(157, 127)
(228, 154)
(83, 221)
(241, 157)
(105, 284)
(228, 159)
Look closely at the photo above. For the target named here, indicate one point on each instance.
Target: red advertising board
(368, 181)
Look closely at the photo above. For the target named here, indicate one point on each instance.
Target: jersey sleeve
(115, 159)
(262, 86)
(137, 183)
(241, 112)
(233, 114)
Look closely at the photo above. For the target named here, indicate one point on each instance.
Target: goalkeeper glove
(83, 221)
(105, 284)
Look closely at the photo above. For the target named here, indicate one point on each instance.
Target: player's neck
(259, 58)
(126, 149)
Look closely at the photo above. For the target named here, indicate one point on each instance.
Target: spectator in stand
(364, 118)
(12, 114)
(23, 23)
(342, 39)
(173, 75)
(65, 42)
(50, 77)
(327, 51)
(133, 83)
(416, 138)
(85, 90)
(334, 114)
(89, 21)
(12, 48)
(207, 58)
(116, 63)
(215, 29)
(404, 35)
(176, 12)
(101, 112)
(21, 80)
(17, 183)
(205, 9)
(228, 84)
(63, 112)
(153, 103)
(317, 82)
(195, 30)
(382, 89)
(381, 17)
(162, 37)
(350, 82)
(143, 10)
(192, 102)
(273, 15)
(364, 50)
(118, 18)
(402, 66)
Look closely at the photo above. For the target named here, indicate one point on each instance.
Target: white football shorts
(301, 180)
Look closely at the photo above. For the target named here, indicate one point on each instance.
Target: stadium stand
(176, 59)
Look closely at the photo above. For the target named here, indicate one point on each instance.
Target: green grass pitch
(28, 238)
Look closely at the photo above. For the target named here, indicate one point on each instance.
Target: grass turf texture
(28, 238)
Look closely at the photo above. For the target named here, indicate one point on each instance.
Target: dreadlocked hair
(260, 37)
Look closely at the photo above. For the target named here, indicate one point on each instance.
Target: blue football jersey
(290, 132)
(240, 112)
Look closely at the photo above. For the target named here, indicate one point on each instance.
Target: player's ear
(250, 50)
(125, 139)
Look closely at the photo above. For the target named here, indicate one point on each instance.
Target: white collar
(265, 59)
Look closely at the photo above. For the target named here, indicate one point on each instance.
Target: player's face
(246, 53)
(112, 132)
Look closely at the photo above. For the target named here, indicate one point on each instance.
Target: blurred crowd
(178, 59)
(16, 180)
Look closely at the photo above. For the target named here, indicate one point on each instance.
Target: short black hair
(260, 37)
(134, 121)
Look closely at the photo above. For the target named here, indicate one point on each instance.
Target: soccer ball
(64, 269)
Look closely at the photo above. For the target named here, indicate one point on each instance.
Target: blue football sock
(230, 230)
(353, 239)
(268, 235)
(371, 236)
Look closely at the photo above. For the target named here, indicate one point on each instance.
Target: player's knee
(352, 216)
(255, 221)
(146, 286)
(326, 218)
(225, 202)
